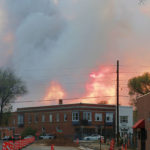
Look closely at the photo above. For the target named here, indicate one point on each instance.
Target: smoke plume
(64, 41)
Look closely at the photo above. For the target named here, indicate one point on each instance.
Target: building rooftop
(67, 106)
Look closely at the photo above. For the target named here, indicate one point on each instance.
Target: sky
(68, 49)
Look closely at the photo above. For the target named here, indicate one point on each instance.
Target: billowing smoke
(64, 41)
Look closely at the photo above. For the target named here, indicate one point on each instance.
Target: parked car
(6, 138)
(93, 137)
(16, 137)
(47, 136)
(29, 136)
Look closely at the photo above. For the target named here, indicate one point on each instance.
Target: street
(43, 147)
(1, 145)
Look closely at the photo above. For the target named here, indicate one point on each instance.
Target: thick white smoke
(46, 40)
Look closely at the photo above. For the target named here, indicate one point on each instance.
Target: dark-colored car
(17, 137)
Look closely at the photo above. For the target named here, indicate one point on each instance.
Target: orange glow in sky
(55, 91)
(101, 86)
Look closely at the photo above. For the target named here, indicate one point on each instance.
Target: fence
(17, 145)
(112, 144)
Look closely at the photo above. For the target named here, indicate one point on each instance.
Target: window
(98, 116)
(29, 119)
(123, 119)
(36, 118)
(75, 116)
(65, 117)
(20, 119)
(109, 117)
(43, 118)
(50, 118)
(149, 117)
(87, 116)
(43, 130)
(14, 121)
(57, 117)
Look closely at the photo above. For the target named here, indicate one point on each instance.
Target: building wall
(69, 128)
(143, 107)
(126, 111)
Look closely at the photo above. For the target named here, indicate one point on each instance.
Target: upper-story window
(98, 116)
(75, 116)
(29, 119)
(57, 117)
(123, 119)
(65, 117)
(20, 119)
(109, 117)
(14, 121)
(43, 118)
(87, 116)
(50, 118)
(36, 119)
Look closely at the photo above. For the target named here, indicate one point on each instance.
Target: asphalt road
(1, 145)
(42, 147)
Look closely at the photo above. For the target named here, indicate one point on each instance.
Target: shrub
(28, 131)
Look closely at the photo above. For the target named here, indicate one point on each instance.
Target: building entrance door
(143, 139)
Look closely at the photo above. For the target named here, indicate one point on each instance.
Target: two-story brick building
(73, 120)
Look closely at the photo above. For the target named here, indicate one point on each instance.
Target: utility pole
(118, 102)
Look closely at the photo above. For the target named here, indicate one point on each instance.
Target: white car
(47, 136)
(29, 136)
(6, 138)
(93, 137)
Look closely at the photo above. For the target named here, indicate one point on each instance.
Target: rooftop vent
(60, 101)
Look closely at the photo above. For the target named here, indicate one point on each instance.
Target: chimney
(60, 101)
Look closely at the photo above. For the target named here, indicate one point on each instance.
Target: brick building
(142, 126)
(73, 120)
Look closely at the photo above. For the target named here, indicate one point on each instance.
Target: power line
(68, 99)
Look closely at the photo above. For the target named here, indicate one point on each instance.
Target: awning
(139, 124)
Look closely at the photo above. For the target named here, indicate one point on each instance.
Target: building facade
(142, 126)
(72, 120)
(125, 120)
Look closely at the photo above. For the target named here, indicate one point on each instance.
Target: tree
(138, 86)
(6, 114)
(11, 87)
(6, 118)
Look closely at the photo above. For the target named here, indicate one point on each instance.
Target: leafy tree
(10, 88)
(6, 117)
(138, 86)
